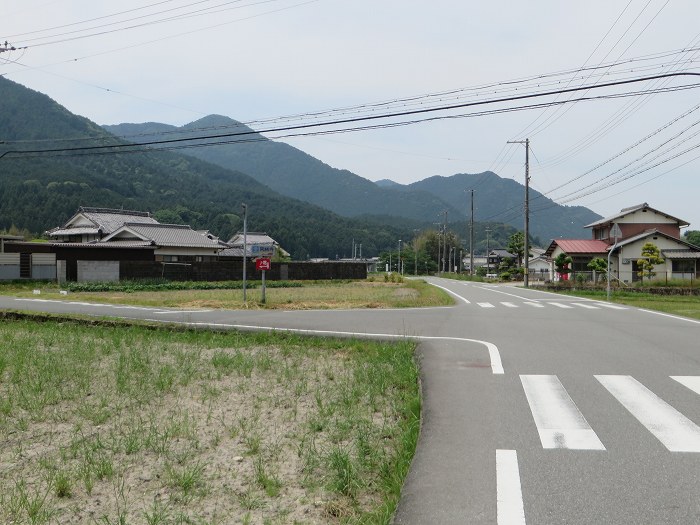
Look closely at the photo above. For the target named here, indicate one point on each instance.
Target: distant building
(259, 245)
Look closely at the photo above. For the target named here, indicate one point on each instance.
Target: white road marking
(612, 306)
(509, 305)
(536, 305)
(692, 382)
(694, 321)
(494, 355)
(466, 301)
(673, 429)
(509, 495)
(486, 305)
(494, 288)
(558, 419)
(559, 305)
(584, 305)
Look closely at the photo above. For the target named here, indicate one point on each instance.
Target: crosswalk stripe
(561, 305)
(584, 305)
(509, 305)
(675, 431)
(536, 305)
(486, 305)
(559, 421)
(692, 382)
(613, 306)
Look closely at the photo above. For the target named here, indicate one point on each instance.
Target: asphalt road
(538, 408)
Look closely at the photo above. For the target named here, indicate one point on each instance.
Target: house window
(170, 258)
(683, 266)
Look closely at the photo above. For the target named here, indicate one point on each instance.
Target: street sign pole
(262, 264)
(616, 233)
(263, 287)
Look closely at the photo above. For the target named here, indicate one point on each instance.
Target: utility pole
(7, 47)
(526, 275)
(439, 248)
(444, 243)
(488, 250)
(399, 266)
(245, 246)
(471, 239)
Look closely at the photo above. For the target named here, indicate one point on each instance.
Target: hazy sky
(252, 59)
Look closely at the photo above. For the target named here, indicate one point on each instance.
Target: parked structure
(637, 225)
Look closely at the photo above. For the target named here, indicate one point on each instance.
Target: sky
(176, 61)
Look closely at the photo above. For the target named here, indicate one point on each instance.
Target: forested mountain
(41, 190)
(502, 200)
(293, 172)
(290, 171)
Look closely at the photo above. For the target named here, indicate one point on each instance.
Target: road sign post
(615, 233)
(262, 264)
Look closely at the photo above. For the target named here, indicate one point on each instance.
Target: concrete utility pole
(488, 250)
(526, 260)
(7, 47)
(399, 266)
(444, 244)
(471, 239)
(245, 246)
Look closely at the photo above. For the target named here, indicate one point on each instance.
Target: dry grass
(343, 295)
(117, 425)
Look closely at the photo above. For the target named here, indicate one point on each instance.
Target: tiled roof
(81, 230)
(681, 254)
(110, 221)
(632, 209)
(164, 235)
(251, 238)
(233, 252)
(501, 253)
(105, 245)
(571, 246)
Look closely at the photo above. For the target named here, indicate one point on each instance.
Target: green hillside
(41, 190)
(292, 172)
(502, 200)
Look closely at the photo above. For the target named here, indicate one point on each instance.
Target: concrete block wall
(90, 271)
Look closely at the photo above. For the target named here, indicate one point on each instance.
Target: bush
(158, 285)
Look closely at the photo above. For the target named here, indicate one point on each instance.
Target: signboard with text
(262, 264)
(261, 250)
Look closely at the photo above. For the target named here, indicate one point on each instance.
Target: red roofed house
(637, 225)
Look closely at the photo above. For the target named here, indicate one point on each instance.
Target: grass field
(685, 305)
(306, 295)
(131, 425)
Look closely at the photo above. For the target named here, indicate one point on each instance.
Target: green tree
(651, 256)
(598, 266)
(516, 246)
(562, 264)
(693, 237)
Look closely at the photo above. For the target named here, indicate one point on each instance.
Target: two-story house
(636, 226)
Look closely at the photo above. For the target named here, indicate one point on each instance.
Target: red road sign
(263, 263)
